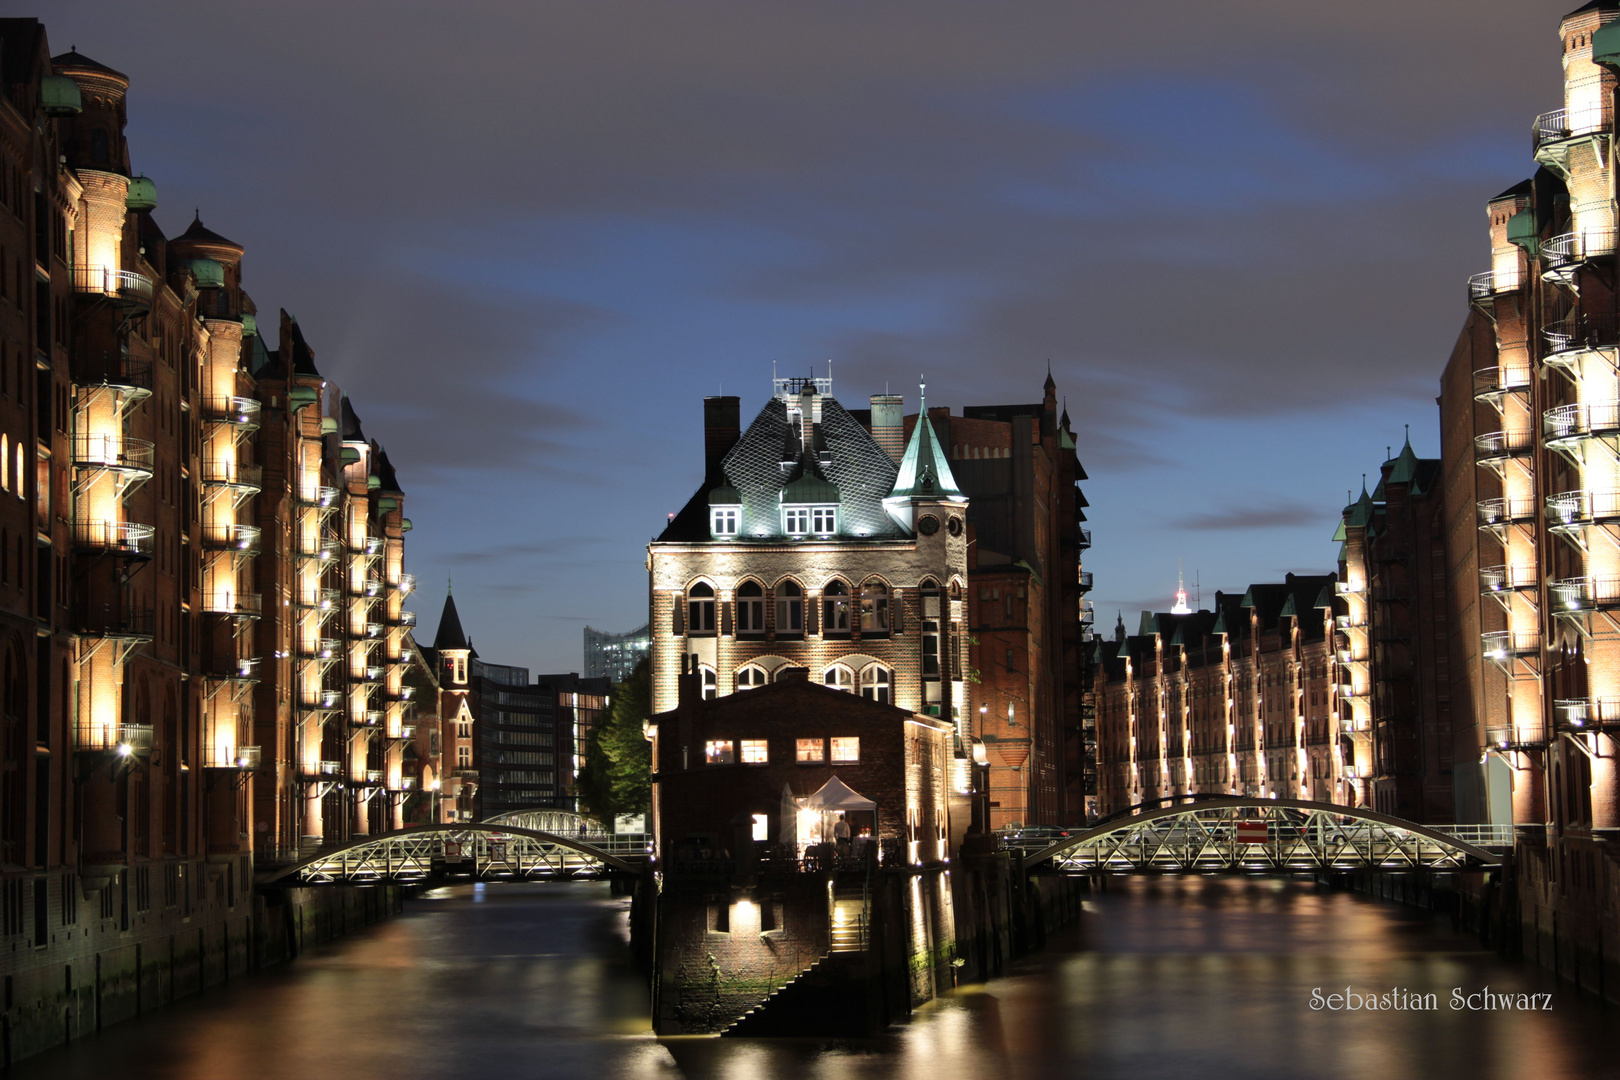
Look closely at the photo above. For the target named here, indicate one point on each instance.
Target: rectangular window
(824, 520)
(789, 615)
(723, 520)
(719, 752)
(930, 647)
(464, 757)
(846, 749)
(796, 520)
(754, 752)
(761, 828)
(811, 750)
(751, 615)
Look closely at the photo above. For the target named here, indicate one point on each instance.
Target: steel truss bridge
(1248, 835)
(493, 850)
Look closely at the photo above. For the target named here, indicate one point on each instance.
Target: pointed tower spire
(924, 472)
(1181, 607)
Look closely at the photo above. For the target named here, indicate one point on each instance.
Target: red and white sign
(1251, 832)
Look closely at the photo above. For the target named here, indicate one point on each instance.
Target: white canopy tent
(809, 820)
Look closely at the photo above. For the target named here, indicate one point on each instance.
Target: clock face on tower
(928, 525)
(954, 526)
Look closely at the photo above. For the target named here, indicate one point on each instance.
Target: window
(811, 750)
(839, 679)
(846, 749)
(796, 520)
(755, 752)
(723, 520)
(789, 609)
(874, 608)
(710, 684)
(750, 608)
(719, 752)
(761, 828)
(700, 609)
(835, 608)
(875, 684)
(930, 647)
(464, 757)
(750, 678)
(824, 520)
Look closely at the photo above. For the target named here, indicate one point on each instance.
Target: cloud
(1279, 514)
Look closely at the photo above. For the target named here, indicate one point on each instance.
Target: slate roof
(198, 233)
(450, 635)
(349, 424)
(854, 463)
(384, 469)
(924, 469)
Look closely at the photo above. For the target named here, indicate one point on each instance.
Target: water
(1201, 977)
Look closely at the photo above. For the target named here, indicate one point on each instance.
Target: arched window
(751, 678)
(875, 684)
(700, 609)
(789, 610)
(835, 608)
(874, 608)
(5, 462)
(839, 678)
(21, 490)
(710, 684)
(750, 608)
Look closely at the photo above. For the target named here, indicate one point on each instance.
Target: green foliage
(617, 777)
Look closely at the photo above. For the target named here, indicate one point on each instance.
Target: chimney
(889, 424)
(807, 420)
(722, 425)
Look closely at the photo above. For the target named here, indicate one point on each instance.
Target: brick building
(845, 542)
(1238, 700)
(201, 639)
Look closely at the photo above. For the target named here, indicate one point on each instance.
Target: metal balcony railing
(1586, 714)
(404, 618)
(1583, 420)
(1581, 333)
(404, 693)
(1495, 512)
(1491, 282)
(369, 719)
(242, 669)
(319, 649)
(127, 624)
(374, 777)
(1501, 645)
(1584, 594)
(1500, 445)
(241, 605)
(236, 474)
(407, 584)
(370, 588)
(1496, 579)
(317, 496)
(1084, 538)
(231, 537)
(1560, 124)
(1085, 581)
(113, 450)
(1493, 382)
(371, 545)
(321, 699)
(124, 287)
(1348, 656)
(129, 374)
(240, 759)
(123, 538)
(1521, 735)
(373, 630)
(320, 600)
(124, 739)
(1572, 509)
(242, 412)
(1573, 248)
(328, 768)
(407, 731)
(1348, 588)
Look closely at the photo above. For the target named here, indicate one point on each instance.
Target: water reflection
(1205, 977)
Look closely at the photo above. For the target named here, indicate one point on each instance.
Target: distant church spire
(1181, 607)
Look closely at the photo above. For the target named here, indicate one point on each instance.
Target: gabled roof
(924, 470)
(450, 635)
(1523, 187)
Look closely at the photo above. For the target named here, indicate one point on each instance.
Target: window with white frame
(824, 520)
(835, 608)
(810, 751)
(723, 520)
(796, 520)
(845, 749)
(875, 684)
(789, 609)
(755, 752)
(750, 608)
(750, 678)
(711, 685)
(839, 678)
(700, 609)
(464, 757)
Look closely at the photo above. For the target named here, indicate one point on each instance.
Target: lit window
(700, 609)
(723, 520)
(719, 752)
(835, 608)
(874, 608)
(796, 520)
(839, 678)
(789, 609)
(464, 757)
(710, 685)
(875, 684)
(750, 678)
(846, 749)
(824, 520)
(811, 750)
(761, 828)
(754, 752)
(750, 608)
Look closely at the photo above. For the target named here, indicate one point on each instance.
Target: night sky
(527, 239)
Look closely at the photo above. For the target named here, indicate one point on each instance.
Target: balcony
(246, 478)
(321, 699)
(369, 719)
(1496, 513)
(122, 538)
(322, 770)
(1570, 424)
(320, 600)
(238, 412)
(232, 537)
(1568, 338)
(236, 605)
(1584, 594)
(128, 375)
(241, 670)
(1507, 579)
(1084, 538)
(1553, 132)
(1348, 588)
(126, 740)
(404, 693)
(370, 588)
(130, 624)
(404, 618)
(370, 546)
(319, 649)
(124, 288)
(114, 452)
(1348, 656)
(1498, 446)
(1571, 510)
(373, 630)
(407, 584)
(242, 759)
(1586, 714)
(407, 731)
(1493, 383)
(1482, 287)
(1562, 255)
(1524, 735)
(1504, 645)
(374, 777)
(321, 497)
(1085, 581)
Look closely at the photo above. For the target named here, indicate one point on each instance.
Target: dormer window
(796, 520)
(824, 520)
(723, 520)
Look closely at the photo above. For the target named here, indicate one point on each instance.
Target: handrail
(113, 451)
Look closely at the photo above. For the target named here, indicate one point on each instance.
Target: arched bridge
(1257, 835)
(482, 851)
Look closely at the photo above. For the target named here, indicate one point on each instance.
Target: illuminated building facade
(1238, 700)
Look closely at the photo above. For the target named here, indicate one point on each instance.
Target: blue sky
(527, 239)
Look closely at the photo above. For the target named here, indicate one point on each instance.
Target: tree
(617, 778)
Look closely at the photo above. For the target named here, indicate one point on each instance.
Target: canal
(1176, 977)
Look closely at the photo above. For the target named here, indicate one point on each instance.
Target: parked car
(1035, 837)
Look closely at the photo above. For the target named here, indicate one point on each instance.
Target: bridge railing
(477, 851)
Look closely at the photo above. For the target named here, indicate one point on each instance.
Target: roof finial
(449, 585)
(922, 394)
